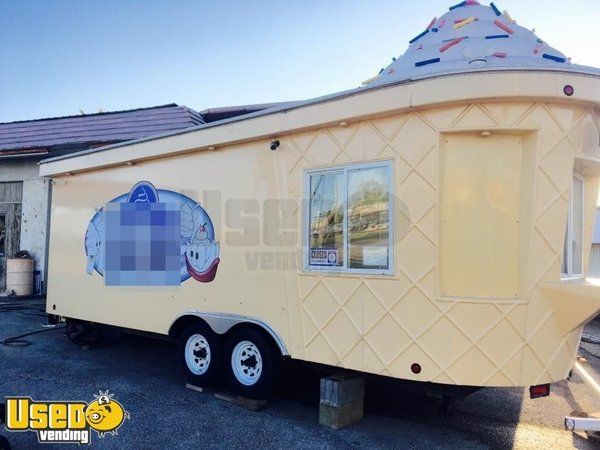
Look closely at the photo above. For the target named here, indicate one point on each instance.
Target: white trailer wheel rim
(197, 354)
(246, 363)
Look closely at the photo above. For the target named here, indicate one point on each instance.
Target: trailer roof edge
(56, 166)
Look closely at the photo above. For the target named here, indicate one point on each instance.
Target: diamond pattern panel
(418, 195)
(389, 291)
(584, 135)
(415, 312)
(322, 150)
(475, 117)
(416, 255)
(565, 115)
(414, 140)
(388, 339)
(551, 224)
(342, 135)
(443, 118)
(501, 342)
(549, 131)
(474, 366)
(320, 305)
(507, 114)
(474, 318)
(342, 334)
(547, 193)
(427, 168)
(555, 161)
(445, 342)
(365, 144)
(389, 126)
(384, 324)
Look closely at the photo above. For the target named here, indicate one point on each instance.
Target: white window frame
(345, 170)
(569, 233)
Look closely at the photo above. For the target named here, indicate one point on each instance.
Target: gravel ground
(144, 376)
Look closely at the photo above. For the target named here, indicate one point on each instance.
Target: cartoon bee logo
(105, 414)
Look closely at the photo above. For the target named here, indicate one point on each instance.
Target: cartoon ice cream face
(199, 250)
(202, 256)
(93, 246)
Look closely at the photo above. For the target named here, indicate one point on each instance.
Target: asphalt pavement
(145, 378)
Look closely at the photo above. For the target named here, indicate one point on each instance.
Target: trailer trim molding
(221, 323)
(357, 104)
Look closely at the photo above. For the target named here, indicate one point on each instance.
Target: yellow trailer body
(444, 222)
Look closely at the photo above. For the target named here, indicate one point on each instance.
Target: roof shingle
(87, 129)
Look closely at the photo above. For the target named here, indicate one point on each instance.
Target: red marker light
(541, 390)
(568, 90)
(415, 368)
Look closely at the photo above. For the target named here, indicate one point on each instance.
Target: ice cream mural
(93, 244)
(200, 251)
(151, 231)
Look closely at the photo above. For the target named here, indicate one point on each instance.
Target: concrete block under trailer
(430, 232)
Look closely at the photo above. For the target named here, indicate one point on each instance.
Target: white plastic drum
(19, 276)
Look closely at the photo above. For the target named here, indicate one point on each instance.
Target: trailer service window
(348, 222)
(573, 252)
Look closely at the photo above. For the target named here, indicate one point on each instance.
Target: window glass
(577, 233)
(573, 250)
(326, 220)
(565, 263)
(349, 218)
(368, 218)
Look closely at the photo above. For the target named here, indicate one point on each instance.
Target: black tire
(206, 370)
(258, 384)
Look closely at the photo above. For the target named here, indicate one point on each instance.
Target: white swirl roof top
(487, 40)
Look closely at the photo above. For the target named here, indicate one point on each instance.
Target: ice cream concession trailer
(432, 225)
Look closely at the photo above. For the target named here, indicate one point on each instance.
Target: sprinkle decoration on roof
(471, 37)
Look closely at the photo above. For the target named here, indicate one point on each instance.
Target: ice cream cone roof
(473, 37)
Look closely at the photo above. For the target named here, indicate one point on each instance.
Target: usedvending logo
(70, 422)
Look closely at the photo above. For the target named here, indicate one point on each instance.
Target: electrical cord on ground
(590, 339)
(86, 335)
(18, 341)
(22, 308)
(595, 355)
(82, 336)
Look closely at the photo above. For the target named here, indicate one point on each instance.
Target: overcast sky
(57, 57)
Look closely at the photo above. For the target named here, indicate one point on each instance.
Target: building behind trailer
(25, 196)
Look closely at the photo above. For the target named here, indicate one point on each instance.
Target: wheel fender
(221, 323)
